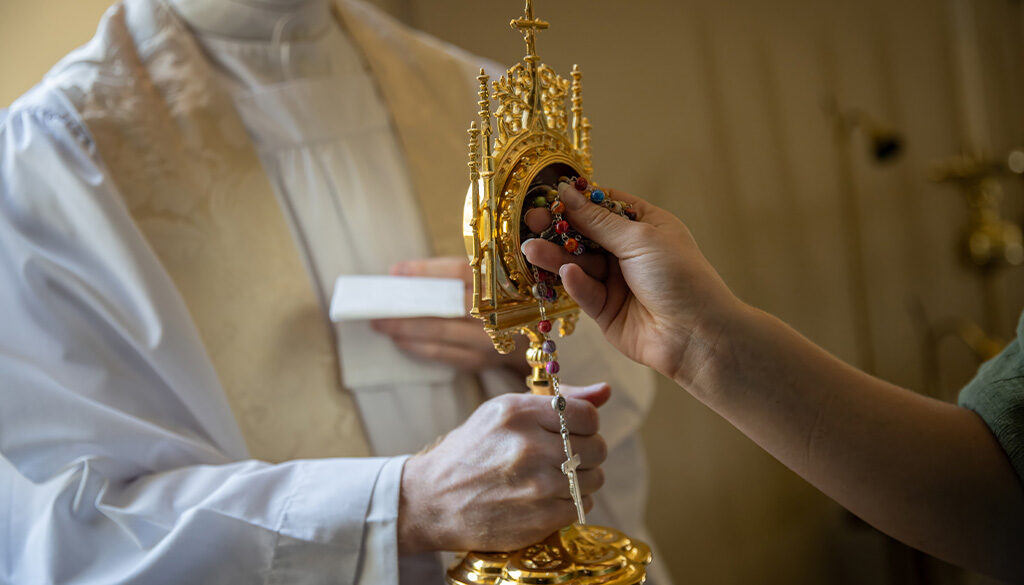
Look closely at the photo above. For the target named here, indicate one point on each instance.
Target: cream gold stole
(180, 156)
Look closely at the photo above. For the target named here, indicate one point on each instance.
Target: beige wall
(35, 34)
(712, 108)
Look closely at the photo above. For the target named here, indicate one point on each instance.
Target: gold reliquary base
(575, 555)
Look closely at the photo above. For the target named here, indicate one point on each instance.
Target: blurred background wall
(724, 111)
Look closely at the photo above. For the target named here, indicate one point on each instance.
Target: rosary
(545, 197)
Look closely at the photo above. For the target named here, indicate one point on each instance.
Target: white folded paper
(358, 297)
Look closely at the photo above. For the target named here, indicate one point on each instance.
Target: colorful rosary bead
(552, 367)
(549, 346)
(544, 326)
(562, 227)
(558, 207)
(597, 196)
(579, 250)
(581, 184)
(540, 201)
(571, 245)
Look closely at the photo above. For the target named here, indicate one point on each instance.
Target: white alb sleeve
(120, 460)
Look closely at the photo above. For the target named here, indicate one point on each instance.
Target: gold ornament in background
(535, 140)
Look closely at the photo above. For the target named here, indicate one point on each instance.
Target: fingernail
(522, 247)
(399, 269)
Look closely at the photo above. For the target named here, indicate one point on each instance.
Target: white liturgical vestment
(161, 420)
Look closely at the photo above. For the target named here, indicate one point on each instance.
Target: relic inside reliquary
(516, 165)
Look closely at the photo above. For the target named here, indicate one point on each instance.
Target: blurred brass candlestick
(535, 141)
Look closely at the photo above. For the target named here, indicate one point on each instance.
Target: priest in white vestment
(176, 200)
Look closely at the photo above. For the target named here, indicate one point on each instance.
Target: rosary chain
(558, 402)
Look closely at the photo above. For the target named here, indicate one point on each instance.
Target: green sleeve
(997, 394)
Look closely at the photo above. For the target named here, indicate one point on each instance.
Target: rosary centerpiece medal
(515, 167)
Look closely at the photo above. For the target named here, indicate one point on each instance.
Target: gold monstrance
(535, 141)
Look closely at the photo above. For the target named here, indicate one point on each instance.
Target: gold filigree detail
(584, 551)
(514, 93)
(504, 342)
(541, 556)
(554, 90)
(567, 324)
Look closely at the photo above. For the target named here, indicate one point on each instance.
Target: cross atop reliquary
(528, 25)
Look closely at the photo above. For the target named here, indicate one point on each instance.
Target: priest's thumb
(596, 394)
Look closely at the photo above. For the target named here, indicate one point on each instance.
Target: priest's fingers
(467, 332)
(440, 267)
(560, 511)
(592, 451)
(591, 480)
(596, 394)
(554, 483)
(580, 415)
(551, 256)
(461, 357)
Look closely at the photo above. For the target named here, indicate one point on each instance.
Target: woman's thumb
(594, 221)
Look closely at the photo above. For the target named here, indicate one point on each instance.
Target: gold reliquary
(534, 140)
(538, 135)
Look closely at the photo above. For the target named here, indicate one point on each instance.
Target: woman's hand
(928, 473)
(461, 342)
(657, 298)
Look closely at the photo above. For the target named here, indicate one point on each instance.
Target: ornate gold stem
(539, 381)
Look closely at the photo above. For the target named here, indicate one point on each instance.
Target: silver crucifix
(569, 469)
(572, 460)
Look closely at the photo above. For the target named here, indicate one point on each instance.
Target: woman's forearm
(926, 472)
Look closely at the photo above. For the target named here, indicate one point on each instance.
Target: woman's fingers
(550, 256)
(538, 219)
(584, 285)
(588, 292)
